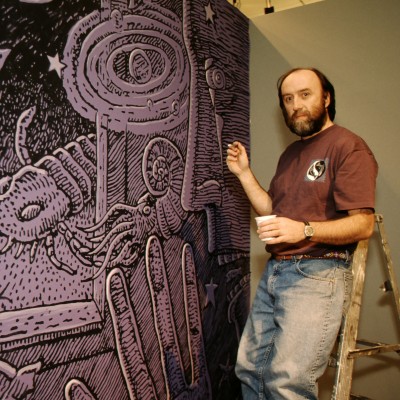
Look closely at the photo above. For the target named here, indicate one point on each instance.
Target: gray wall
(356, 43)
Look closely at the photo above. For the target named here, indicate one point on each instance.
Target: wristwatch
(308, 230)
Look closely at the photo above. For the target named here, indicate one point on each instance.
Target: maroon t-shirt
(319, 179)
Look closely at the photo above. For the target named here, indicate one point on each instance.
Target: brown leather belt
(338, 255)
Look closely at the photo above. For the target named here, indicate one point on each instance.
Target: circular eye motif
(130, 67)
(215, 78)
(162, 167)
(140, 66)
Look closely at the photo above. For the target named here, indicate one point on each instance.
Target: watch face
(308, 230)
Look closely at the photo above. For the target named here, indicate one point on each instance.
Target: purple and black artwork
(124, 239)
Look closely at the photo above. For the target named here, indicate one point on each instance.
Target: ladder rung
(356, 397)
(365, 342)
(368, 351)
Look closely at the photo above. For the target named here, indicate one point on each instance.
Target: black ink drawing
(124, 252)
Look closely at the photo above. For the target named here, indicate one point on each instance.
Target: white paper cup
(264, 218)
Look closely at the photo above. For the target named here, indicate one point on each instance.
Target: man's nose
(297, 103)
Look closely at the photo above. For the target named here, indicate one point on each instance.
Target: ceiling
(255, 8)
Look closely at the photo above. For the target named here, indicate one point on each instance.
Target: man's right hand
(238, 163)
(237, 159)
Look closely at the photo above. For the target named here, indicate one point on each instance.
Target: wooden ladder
(347, 348)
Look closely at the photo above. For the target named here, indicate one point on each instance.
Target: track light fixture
(269, 8)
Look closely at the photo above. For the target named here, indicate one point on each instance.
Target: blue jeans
(292, 328)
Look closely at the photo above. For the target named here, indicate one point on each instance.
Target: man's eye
(306, 94)
(288, 99)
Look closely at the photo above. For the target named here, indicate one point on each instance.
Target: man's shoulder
(341, 131)
(342, 136)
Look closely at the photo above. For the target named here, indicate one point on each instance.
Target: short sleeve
(355, 179)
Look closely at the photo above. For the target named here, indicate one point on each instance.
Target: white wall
(356, 44)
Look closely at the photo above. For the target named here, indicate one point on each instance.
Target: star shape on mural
(209, 13)
(226, 368)
(56, 64)
(210, 287)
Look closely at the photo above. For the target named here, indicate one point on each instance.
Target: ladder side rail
(349, 329)
(392, 275)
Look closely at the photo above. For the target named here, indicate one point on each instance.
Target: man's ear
(327, 98)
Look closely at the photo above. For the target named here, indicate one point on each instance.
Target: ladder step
(356, 397)
(368, 351)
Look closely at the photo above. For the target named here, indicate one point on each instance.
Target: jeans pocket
(318, 269)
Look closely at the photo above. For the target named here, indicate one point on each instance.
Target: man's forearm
(359, 225)
(258, 197)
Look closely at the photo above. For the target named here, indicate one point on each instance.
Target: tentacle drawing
(158, 211)
(127, 333)
(125, 241)
(36, 202)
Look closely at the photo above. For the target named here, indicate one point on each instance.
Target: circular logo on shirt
(316, 170)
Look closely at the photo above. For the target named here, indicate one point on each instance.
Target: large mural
(124, 241)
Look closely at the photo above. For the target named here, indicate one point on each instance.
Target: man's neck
(327, 124)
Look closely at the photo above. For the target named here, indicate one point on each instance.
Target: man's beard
(312, 124)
